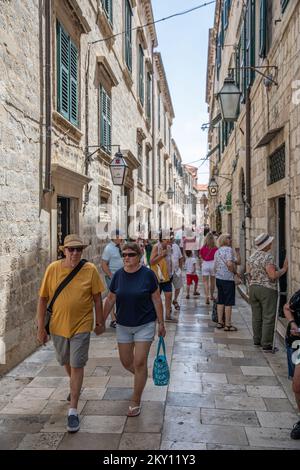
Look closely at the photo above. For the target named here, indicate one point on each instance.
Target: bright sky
(183, 43)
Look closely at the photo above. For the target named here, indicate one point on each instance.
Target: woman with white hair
(263, 291)
(225, 266)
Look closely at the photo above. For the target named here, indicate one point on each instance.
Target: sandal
(134, 411)
(219, 325)
(230, 328)
(207, 301)
(176, 305)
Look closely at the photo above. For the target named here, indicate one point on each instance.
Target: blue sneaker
(73, 423)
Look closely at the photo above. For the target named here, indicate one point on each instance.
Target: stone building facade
(73, 91)
(255, 160)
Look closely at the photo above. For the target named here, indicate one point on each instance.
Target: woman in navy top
(134, 289)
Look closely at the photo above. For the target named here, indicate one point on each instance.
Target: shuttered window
(148, 96)
(105, 120)
(263, 25)
(284, 4)
(128, 35)
(218, 54)
(107, 6)
(250, 42)
(226, 9)
(141, 74)
(158, 110)
(67, 76)
(140, 159)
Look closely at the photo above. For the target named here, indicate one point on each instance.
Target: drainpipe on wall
(153, 133)
(248, 155)
(47, 187)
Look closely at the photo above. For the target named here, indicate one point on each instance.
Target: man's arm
(108, 305)
(105, 268)
(100, 323)
(42, 335)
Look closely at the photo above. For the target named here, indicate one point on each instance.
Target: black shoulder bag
(61, 286)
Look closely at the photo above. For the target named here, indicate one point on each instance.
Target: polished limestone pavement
(224, 393)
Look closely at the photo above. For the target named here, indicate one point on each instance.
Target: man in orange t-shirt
(72, 316)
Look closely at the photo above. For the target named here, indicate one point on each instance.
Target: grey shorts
(177, 281)
(136, 334)
(72, 351)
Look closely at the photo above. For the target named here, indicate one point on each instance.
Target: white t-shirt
(176, 255)
(189, 265)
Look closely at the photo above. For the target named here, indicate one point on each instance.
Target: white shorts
(208, 268)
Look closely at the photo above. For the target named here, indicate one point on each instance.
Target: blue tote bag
(161, 373)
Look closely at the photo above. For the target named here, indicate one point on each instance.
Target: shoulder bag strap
(66, 281)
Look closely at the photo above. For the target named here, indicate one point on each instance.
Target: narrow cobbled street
(224, 393)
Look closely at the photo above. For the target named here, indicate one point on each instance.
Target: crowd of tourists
(138, 274)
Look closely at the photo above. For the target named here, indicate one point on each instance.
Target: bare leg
(177, 291)
(220, 310)
(188, 291)
(75, 385)
(126, 356)
(196, 285)
(206, 287)
(141, 352)
(68, 369)
(168, 302)
(212, 286)
(228, 311)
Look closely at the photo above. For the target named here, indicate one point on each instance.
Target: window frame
(105, 136)
(67, 72)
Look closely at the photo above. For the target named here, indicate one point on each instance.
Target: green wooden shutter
(63, 67)
(141, 74)
(107, 5)
(108, 120)
(73, 84)
(148, 96)
(105, 120)
(263, 29)
(284, 4)
(128, 35)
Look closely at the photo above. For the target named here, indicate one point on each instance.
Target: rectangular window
(107, 7)
(226, 9)
(67, 76)
(158, 110)
(141, 75)
(140, 159)
(128, 35)
(159, 166)
(277, 165)
(105, 120)
(165, 173)
(147, 168)
(250, 42)
(149, 89)
(165, 129)
(218, 55)
(284, 4)
(263, 24)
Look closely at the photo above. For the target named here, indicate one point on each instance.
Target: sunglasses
(78, 249)
(130, 255)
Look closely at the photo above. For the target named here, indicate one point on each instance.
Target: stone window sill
(63, 125)
(127, 77)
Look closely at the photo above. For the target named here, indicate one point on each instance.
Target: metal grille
(277, 165)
